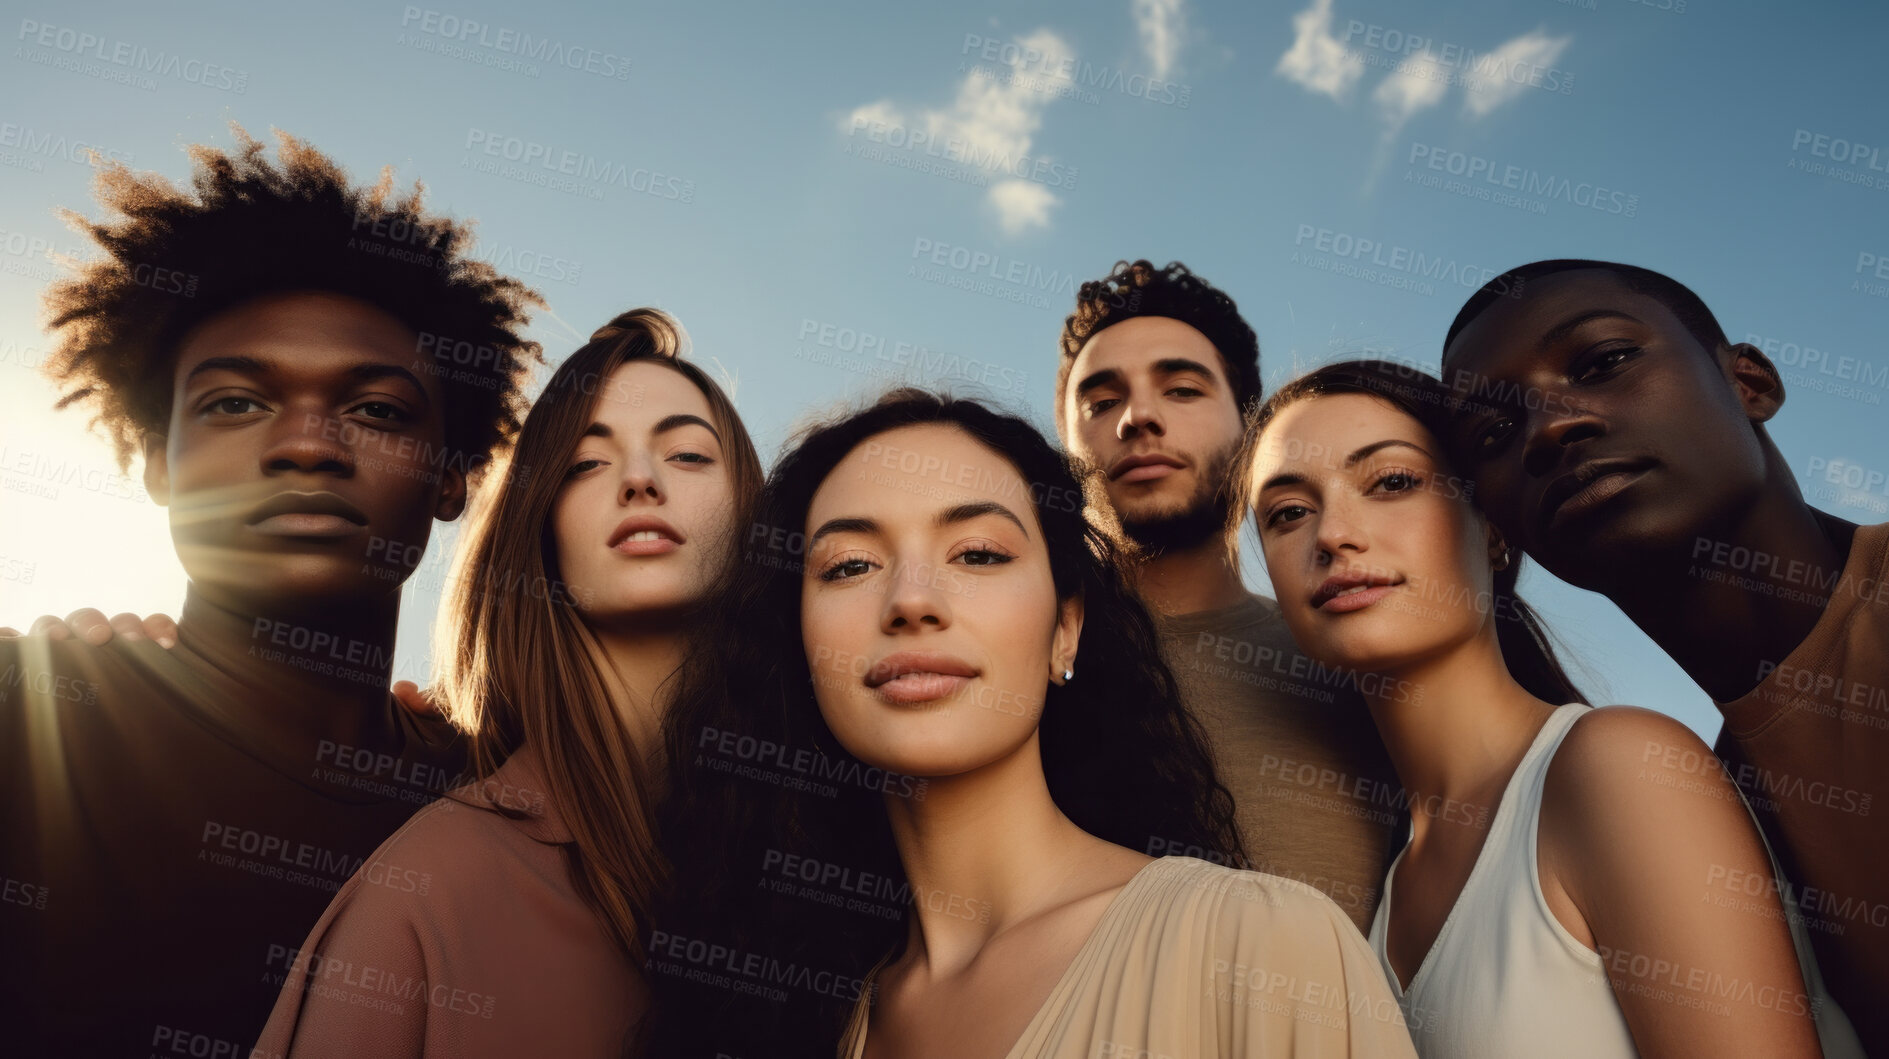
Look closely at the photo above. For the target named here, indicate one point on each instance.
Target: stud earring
(1502, 559)
(1068, 675)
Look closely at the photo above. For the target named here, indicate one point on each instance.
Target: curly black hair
(1139, 289)
(748, 751)
(246, 228)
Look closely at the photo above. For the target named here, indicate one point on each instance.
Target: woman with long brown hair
(505, 918)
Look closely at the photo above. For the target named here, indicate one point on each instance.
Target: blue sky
(786, 180)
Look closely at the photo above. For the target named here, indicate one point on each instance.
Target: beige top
(1314, 793)
(1193, 960)
(461, 936)
(1809, 746)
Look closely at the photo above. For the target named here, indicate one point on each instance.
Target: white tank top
(1505, 978)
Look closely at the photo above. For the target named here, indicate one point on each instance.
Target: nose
(1139, 412)
(915, 599)
(312, 443)
(1547, 444)
(640, 480)
(1338, 532)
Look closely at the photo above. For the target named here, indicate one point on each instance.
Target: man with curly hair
(1158, 374)
(312, 372)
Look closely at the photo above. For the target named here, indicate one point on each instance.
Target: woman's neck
(1456, 726)
(641, 663)
(984, 851)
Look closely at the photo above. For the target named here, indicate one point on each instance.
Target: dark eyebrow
(1164, 366)
(1294, 478)
(1176, 365)
(958, 513)
(601, 429)
(1099, 378)
(1386, 443)
(977, 508)
(376, 372)
(683, 419)
(357, 374)
(244, 365)
(1566, 327)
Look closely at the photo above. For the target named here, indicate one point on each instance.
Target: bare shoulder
(1627, 783)
(1612, 744)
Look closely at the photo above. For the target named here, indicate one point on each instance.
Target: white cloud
(1021, 205)
(1160, 23)
(989, 120)
(1496, 77)
(1317, 60)
(1417, 83)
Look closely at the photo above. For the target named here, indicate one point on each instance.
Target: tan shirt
(461, 936)
(1810, 748)
(1193, 960)
(1314, 791)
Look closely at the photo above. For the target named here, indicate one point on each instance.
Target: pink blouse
(461, 936)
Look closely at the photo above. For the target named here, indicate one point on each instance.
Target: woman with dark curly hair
(912, 778)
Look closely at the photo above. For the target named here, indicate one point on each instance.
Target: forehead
(644, 391)
(1314, 435)
(1133, 345)
(308, 333)
(1509, 337)
(909, 473)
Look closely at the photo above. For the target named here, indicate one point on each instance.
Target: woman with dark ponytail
(1562, 891)
(506, 918)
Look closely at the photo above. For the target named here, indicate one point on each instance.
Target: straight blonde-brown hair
(519, 665)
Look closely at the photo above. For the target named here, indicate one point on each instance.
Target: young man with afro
(312, 371)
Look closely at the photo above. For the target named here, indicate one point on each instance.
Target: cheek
(829, 628)
(570, 530)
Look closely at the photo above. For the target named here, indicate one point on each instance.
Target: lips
(644, 535)
(919, 676)
(1587, 487)
(297, 514)
(1143, 466)
(1353, 590)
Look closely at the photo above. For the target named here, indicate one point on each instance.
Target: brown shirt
(1314, 792)
(461, 936)
(1810, 748)
(170, 822)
